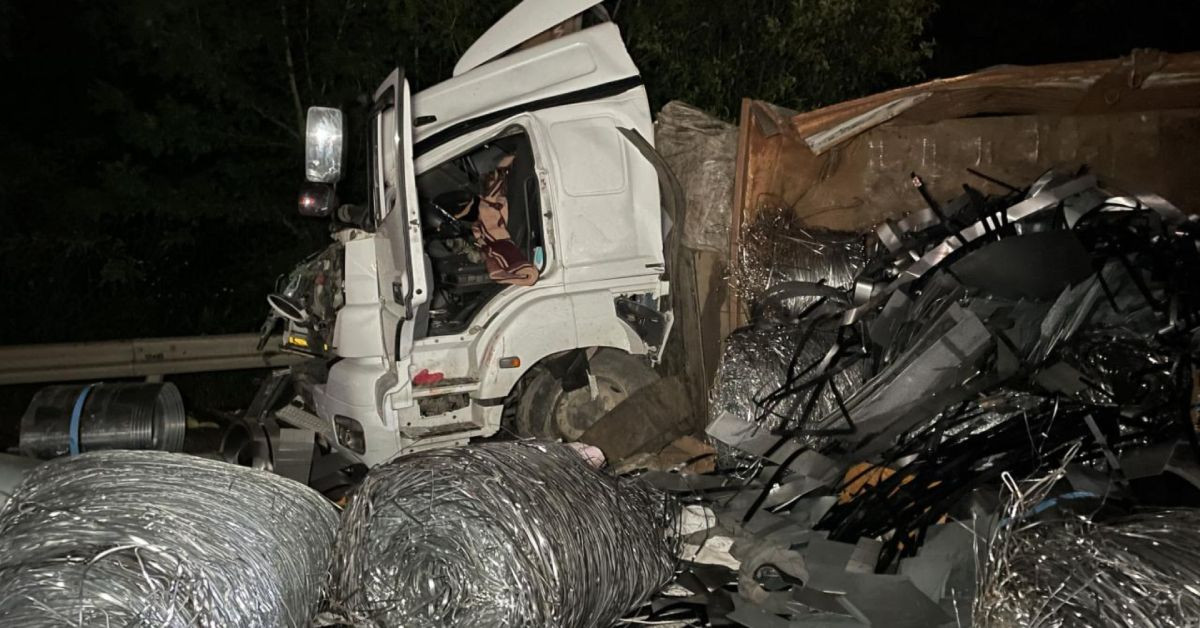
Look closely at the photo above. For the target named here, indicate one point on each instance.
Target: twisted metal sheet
(147, 538)
(500, 534)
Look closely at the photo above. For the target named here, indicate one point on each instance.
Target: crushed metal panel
(751, 615)
(892, 601)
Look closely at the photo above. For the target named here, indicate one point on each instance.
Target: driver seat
(459, 275)
(524, 193)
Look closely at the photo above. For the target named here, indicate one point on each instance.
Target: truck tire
(546, 411)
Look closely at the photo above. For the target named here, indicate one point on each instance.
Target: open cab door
(403, 282)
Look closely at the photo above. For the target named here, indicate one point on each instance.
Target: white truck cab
(419, 348)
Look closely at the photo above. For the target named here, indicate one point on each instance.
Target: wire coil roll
(70, 419)
(500, 534)
(147, 538)
(1139, 569)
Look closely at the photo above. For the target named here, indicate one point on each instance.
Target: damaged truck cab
(422, 348)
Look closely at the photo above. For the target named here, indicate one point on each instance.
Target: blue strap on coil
(75, 415)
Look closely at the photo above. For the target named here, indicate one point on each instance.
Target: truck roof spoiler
(522, 23)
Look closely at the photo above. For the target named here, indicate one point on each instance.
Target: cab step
(303, 419)
(449, 386)
(466, 428)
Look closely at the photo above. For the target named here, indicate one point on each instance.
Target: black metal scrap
(1084, 322)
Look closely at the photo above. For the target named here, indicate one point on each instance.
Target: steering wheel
(441, 221)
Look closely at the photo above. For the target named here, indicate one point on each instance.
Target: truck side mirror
(323, 145)
(317, 199)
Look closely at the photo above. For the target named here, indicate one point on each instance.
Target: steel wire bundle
(500, 534)
(776, 249)
(123, 415)
(148, 538)
(1141, 570)
(758, 362)
(1131, 571)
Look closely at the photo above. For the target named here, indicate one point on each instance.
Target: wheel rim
(576, 411)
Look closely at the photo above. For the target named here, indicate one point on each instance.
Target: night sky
(971, 35)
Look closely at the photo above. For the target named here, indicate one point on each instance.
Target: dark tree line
(151, 156)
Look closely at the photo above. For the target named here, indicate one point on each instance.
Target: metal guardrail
(143, 357)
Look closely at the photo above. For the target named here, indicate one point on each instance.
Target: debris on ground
(644, 423)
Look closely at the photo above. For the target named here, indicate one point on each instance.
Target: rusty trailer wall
(848, 166)
(870, 180)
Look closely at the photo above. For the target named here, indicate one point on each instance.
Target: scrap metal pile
(501, 534)
(497, 534)
(979, 414)
(149, 538)
(1132, 570)
(874, 414)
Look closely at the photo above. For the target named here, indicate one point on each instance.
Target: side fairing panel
(605, 195)
(358, 331)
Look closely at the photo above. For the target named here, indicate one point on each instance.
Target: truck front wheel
(545, 410)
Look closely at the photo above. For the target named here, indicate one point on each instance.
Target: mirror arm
(356, 216)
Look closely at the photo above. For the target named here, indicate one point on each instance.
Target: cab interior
(461, 285)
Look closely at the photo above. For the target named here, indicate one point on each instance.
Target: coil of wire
(109, 416)
(500, 534)
(149, 538)
(1139, 570)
